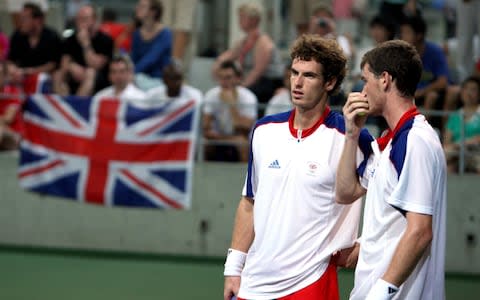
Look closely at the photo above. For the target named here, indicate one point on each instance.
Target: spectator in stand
(468, 119)
(468, 25)
(282, 101)
(174, 87)
(71, 9)
(10, 105)
(152, 42)
(229, 112)
(257, 55)
(111, 27)
(121, 76)
(85, 59)
(34, 47)
(123, 43)
(431, 89)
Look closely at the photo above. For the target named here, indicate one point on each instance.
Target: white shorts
(179, 14)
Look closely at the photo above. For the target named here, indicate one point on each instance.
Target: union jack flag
(109, 152)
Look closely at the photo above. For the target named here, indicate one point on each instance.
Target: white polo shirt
(186, 91)
(220, 111)
(297, 223)
(409, 175)
(130, 93)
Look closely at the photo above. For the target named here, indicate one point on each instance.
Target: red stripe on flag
(98, 148)
(60, 109)
(37, 170)
(152, 190)
(166, 120)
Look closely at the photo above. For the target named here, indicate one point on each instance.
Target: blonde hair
(251, 9)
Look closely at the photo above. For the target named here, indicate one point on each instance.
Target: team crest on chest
(313, 167)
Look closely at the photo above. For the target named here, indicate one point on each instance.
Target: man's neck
(305, 119)
(396, 110)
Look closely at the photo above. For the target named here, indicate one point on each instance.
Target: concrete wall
(28, 219)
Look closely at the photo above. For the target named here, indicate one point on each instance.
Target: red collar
(389, 134)
(309, 131)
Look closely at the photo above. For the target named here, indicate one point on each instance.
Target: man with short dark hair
(121, 75)
(34, 47)
(229, 113)
(174, 86)
(86, 54)
(402, 248)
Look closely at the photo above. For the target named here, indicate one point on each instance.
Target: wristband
(234, 263)
(382, 290)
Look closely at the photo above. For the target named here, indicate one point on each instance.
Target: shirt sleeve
(250, 185)
(416, 182)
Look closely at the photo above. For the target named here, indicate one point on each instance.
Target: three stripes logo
(274, 165)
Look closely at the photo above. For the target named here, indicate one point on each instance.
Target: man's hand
(228, 96)
(83, 37)
(348, 257)
(231, 286)
(355, 112)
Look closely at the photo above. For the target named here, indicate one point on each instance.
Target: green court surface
(41, 275)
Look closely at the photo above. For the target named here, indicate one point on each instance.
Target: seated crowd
(135, 62)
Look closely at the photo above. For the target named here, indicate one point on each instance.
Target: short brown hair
(399, 59)
(326, 52)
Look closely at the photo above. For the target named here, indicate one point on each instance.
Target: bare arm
(415, 240)
(262, 56)
(242, 239)
(347, 184)
(47, 68)
(243, 233)
(93, 59)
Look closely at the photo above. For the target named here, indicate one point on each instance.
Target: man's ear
(386, 80)
(330, 85)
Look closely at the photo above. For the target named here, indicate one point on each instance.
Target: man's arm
(243, 233)
(262, 56)
(46, 67)
(415, 240)
(242, 239)
(347, 185)
(93, 59)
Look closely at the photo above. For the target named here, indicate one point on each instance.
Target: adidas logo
(274, 165)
